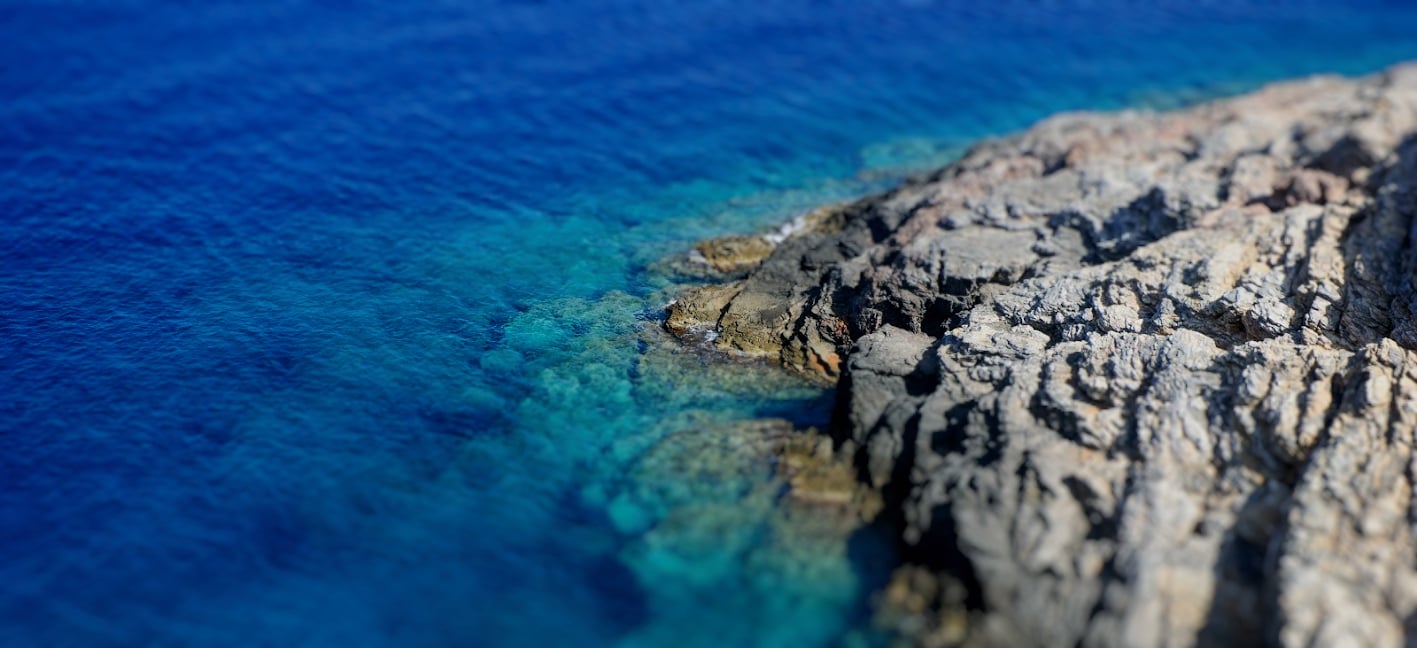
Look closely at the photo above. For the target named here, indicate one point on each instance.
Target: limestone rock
(731, 254)
(1129, 379)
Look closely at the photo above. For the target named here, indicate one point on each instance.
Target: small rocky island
(1129, 379)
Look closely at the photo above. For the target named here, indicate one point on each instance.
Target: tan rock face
(1130, 379)
(730, 254)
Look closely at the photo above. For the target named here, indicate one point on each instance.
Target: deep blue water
(325, 323)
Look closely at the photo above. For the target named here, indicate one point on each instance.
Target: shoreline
(1108, 372)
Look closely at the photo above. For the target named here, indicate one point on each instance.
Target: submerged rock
(1127, 379)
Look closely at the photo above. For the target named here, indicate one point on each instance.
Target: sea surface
(333, 323)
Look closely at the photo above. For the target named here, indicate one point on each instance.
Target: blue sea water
(331, 323)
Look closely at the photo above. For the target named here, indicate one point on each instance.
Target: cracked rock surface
(1128, 379)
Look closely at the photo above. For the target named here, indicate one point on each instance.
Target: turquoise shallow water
(331, 323)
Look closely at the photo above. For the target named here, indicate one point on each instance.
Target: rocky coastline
(1126, 379)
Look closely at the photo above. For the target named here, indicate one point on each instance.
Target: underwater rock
(1128, 379)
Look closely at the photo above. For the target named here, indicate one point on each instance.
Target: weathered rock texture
(1129, 379)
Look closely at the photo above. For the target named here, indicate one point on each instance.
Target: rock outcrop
(1127, 379)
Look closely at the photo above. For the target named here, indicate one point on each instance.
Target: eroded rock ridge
(1127, 379)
